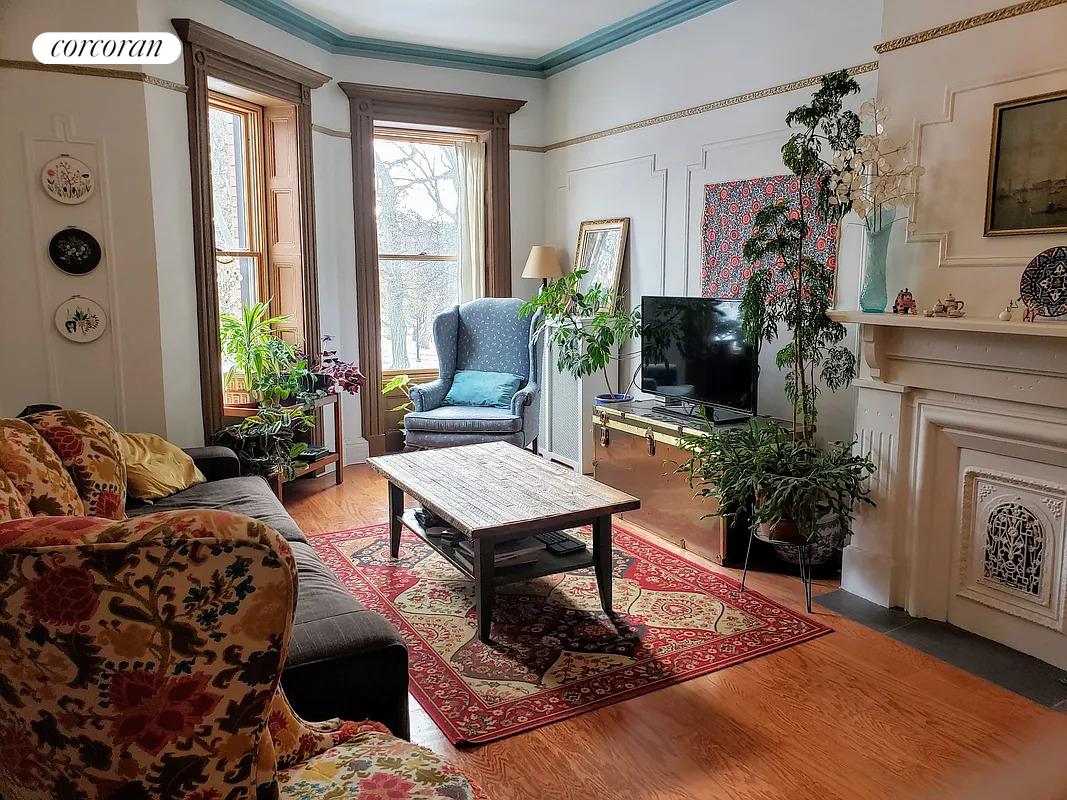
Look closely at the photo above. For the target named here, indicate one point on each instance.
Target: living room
(539, 399)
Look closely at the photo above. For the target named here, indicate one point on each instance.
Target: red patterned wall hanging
(729, 211)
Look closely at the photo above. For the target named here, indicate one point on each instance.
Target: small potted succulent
(588, 329)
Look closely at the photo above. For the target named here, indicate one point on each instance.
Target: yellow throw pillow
(156, 468)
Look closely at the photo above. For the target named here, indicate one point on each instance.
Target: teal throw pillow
(471, 387)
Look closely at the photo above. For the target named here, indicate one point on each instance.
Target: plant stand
(803, 560)
(277, 480)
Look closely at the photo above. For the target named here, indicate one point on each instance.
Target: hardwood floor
(850, 715)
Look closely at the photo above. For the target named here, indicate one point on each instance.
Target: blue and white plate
(1043, 287)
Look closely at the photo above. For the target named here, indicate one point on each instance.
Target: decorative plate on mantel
(1043, 287)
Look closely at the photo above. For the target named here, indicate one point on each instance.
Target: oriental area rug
(555, 653)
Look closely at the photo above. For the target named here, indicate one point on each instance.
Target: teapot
(949, 307)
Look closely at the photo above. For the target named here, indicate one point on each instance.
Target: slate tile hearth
(1010, 669)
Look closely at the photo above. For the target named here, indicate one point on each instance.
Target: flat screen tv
(693, 351)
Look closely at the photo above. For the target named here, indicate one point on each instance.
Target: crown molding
(298, 23)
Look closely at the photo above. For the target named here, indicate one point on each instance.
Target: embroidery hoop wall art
(74, 251)
(81, 320)
(68, 180)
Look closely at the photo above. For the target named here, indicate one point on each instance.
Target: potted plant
(789, 483)
(266, 442)
(251, 345)
(589, 329)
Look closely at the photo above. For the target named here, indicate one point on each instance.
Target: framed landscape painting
(1028, 167)
(601, 250)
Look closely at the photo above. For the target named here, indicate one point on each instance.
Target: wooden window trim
(254, 166)
(209, 53)
(488, 118)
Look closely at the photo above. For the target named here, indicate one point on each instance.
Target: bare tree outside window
(418, 245)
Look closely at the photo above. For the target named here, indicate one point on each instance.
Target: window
(235, 131)
(418, 214)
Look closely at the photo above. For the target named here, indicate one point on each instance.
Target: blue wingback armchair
(489, 336)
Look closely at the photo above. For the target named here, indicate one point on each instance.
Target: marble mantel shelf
(972, 324)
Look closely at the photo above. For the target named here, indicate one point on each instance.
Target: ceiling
(535, 38)
(519, 28)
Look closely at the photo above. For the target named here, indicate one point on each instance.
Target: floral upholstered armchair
(140, 658)
(485, 336)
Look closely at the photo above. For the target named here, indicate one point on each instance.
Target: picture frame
(1027, 188)
(601, 250)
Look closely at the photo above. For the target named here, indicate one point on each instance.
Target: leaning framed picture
(1027, 190)
(600, 251)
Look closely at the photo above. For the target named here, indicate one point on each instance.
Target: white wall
(103, 122)
(152, 381)
(655, 175)
(942, 95)
(144, 372)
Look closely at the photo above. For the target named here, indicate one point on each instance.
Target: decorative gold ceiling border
(715, 105)
(96, 72)
(967, 24)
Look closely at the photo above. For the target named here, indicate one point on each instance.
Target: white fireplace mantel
(1016, 361)
(964, 418)
(972, 324)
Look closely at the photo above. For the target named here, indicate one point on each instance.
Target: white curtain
(471, 186)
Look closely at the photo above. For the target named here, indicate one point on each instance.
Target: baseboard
(867, 574)
(357, 452)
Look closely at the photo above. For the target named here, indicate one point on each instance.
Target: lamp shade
(542, 263)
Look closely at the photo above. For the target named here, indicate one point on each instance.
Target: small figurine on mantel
(1005, 315)
(905, 303)
(949, 307)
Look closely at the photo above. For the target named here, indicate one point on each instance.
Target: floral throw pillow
(36, 471)
(12, 503)
(89, 449)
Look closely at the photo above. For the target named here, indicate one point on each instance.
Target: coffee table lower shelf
(547, 563)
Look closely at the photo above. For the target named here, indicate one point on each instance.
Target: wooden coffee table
(495, 493)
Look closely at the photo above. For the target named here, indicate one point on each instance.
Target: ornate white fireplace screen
(1012, 546)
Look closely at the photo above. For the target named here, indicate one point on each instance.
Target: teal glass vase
(874, 296)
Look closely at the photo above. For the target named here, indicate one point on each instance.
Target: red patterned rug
(555, 654)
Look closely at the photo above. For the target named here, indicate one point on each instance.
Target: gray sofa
(344, 660)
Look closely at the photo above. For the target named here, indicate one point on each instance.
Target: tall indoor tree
(781, 478)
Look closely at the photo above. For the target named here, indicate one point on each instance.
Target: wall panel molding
(767, 137)
(947, 236)
(53, 287)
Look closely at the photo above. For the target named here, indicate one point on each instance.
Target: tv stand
(690, 413)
